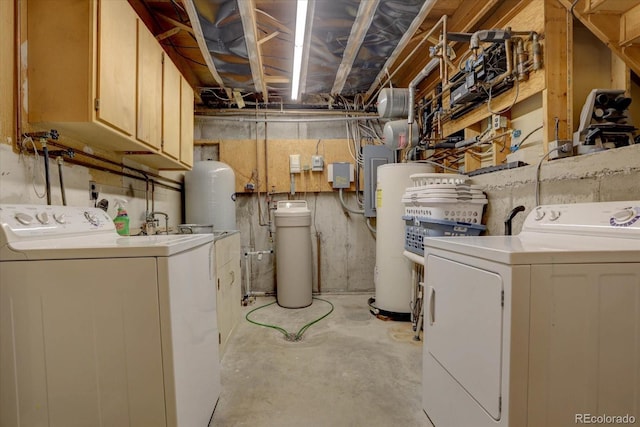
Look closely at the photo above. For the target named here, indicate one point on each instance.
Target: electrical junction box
(498, 121)
(294, 163)
(374, 156)
(340, 174)
(317, 163)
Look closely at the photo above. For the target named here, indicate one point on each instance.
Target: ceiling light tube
(301, 23)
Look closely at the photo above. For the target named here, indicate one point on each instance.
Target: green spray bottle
(121, 220)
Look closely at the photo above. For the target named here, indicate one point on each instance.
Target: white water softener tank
(293, 254)
(210, 195)
(392, 276)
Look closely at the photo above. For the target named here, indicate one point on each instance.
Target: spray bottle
(121, 220)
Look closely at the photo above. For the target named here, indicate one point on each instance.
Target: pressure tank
(395, 134)
(392, 275)
(393, 102)
(210, 195)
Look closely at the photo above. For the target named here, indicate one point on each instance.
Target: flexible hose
(289, 336)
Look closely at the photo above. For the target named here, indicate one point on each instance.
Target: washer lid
(102, 246)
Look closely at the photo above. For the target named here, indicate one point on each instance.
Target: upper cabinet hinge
(96, 104)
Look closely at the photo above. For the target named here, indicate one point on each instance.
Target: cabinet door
(171, 103)
(149, 117)
(116, 82)
(186, 124)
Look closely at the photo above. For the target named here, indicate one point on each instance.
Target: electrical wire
(515, 99)
(289, 335)
(560, 148)
(36, 166)
(528, 135)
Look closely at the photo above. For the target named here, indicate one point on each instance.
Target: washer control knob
(539, 214)
(624, 215)
(92, 218)
(23, 218)
(554, 215)
(43, 217)
(60, 218)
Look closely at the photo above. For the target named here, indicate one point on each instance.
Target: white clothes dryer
(541, 329)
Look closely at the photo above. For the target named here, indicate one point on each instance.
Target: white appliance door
(190, 335)
(463, 328)
(80, 343)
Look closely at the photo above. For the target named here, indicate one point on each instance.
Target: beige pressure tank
(293, 254)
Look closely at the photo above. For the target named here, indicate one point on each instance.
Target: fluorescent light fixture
(301, 23)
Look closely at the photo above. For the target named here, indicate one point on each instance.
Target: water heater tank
(392, 275)
(393, 102)
(210, 195)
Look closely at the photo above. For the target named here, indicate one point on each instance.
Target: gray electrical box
(374, 156)
(341, 175)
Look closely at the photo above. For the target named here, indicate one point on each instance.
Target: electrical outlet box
(294, 163)
(498, 121)
(340, 174)
(558, 154)
(317, 163)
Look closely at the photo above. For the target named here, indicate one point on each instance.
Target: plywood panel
(273, 166)
(240, 154)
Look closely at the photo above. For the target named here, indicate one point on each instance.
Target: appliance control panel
(615, 219)
(21, 222)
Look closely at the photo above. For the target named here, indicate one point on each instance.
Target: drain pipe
(431, 65)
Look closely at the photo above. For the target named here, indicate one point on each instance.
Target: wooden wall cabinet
(229, 294)
(95, 74)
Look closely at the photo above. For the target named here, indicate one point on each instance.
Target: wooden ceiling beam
(364, 17)
(149, 19)
(197, 32)
(402, 44)
(247, 9)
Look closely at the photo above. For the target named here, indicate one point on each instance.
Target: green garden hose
(290, 336)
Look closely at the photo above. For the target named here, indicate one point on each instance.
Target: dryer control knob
(43, 217)
(539, 214)
(554, 215)
(60, 218)
(23, 218)
(624, 215)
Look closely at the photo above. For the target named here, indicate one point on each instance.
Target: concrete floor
(349, 369)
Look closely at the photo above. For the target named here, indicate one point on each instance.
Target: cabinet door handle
(233, 276)
(432, 306)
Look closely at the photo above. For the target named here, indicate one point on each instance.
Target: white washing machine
(102, 330)
(540, 329)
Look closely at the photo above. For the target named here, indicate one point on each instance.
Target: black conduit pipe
(62, 192)
(47, 178)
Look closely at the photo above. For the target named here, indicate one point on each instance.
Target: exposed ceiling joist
(415, 25)
(364, 17)
(247, 13)
(175, 23)
(197, 32)
(307, 46)
(169, 33)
